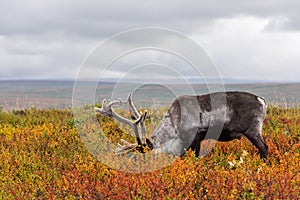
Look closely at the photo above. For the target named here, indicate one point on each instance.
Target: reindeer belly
(229, 135)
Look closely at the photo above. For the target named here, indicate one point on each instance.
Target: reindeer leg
(255, 137)
(195, 146)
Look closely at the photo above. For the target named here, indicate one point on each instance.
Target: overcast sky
(251, 41)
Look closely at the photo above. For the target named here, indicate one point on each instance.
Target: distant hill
(18, 94)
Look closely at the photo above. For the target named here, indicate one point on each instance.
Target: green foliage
(42, 157)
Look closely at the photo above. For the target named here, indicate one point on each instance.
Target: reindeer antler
(108, 111)
(126, 147)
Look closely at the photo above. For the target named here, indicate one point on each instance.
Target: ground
(43, 157)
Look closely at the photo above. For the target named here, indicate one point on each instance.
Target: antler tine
(132, 108)
(104, 102)
(142, 124)
(137, 115)
(126, 147)
(128, 104)
(105, 110)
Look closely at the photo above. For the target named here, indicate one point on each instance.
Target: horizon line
(225, 81)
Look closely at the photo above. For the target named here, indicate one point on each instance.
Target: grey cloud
(103, 18)
(52, 38)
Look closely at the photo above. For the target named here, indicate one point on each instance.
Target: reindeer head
(165, 137)
(163, 133)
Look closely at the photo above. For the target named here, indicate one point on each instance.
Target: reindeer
(222, 116)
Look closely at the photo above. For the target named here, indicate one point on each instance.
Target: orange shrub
(42, 157)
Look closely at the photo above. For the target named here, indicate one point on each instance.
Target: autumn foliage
(42, 157)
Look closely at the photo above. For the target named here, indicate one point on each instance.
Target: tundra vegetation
(43, 157)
